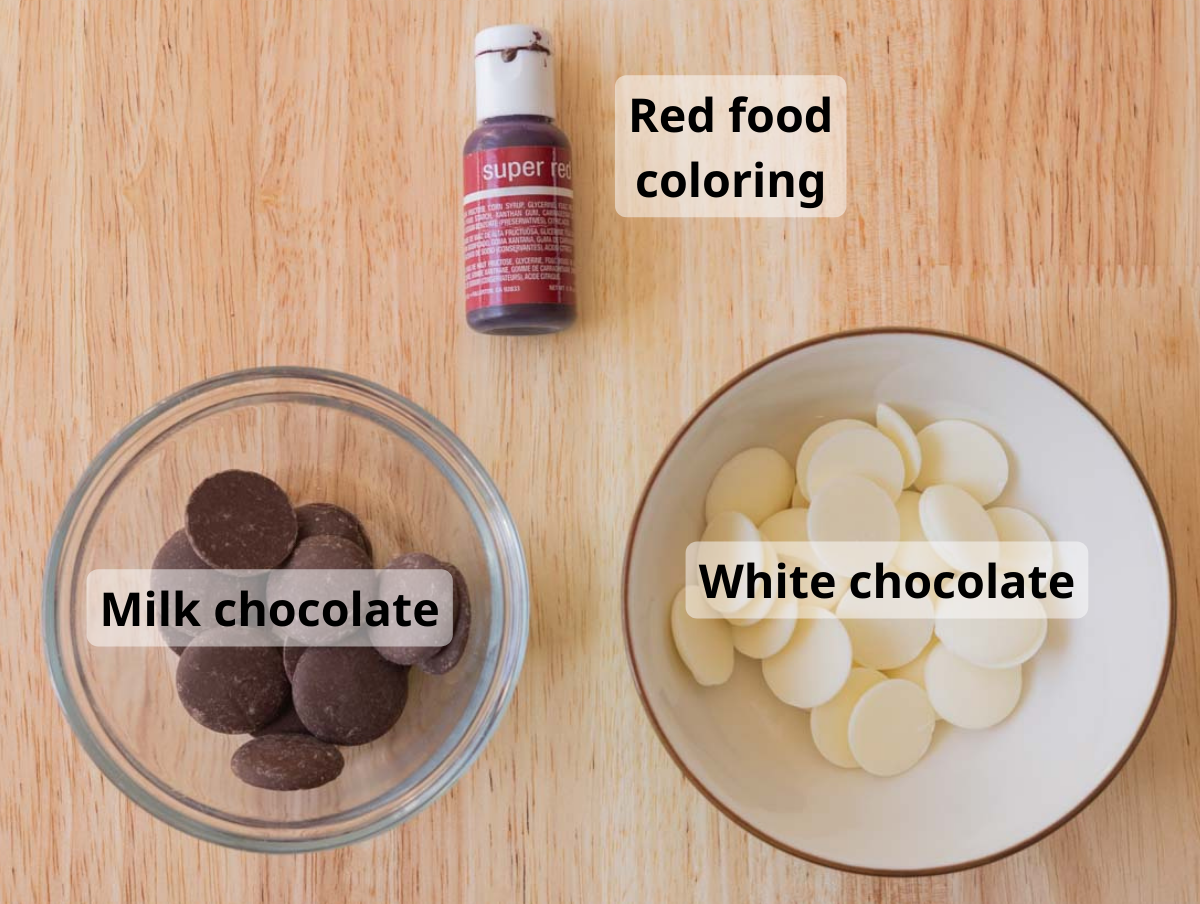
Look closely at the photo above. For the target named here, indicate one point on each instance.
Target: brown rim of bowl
(955, 867)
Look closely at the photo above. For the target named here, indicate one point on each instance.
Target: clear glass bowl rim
(515, 593)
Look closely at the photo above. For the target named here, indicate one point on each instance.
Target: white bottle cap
(512, 72)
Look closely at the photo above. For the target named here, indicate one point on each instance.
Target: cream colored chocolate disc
(969, 696)
(731, 539)
(896, 428)
(958, 528)
(759, 606)
(914, 670)
(818, 436)
(964, 455)
(891, 727)
(704, 644)
(885, 633)
(830, 722)
(866, 453)
(915, 554)
(852, 524)
(787, 532)
(757, 482)
(770, 634)
(815, 662)
(992, 634)
(1025, 543)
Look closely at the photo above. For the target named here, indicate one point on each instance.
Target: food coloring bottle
(517, 194)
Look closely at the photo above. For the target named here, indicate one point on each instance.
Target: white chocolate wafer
(992, 633)
(852, 524)
(958, 528)
(1026, 545)
(770, 634)
(885, 633)
(891, 727)
(896, 428)
(704, 644)
(818, 436)
(757, 482)
(830, 722)
(731, 539)
(969, 696)
(915, 554)
(814, 664)
(866, 453)
(964, 455)
(914, 671)
(787, 532)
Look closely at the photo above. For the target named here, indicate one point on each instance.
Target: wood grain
(192, 186)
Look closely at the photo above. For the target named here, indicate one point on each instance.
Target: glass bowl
(323, 436)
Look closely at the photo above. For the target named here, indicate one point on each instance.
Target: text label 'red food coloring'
(730, 146)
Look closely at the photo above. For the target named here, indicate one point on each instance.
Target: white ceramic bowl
(1089, 694)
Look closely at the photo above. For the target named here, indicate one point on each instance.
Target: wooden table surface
(192, 186)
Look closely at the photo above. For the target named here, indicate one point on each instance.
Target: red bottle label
(519, 246)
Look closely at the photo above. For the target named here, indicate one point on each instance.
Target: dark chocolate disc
(174, 638)
(287, 762)
(176, 567)
(292, 651)
(380, 635)
(287, 722)
(324, 519)
(345, 568)
(241, 521)
(348, 695)
(177, 555)
(434, 660)
(323, 552)
(448, 656)
(414, 560)
(232, 689)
